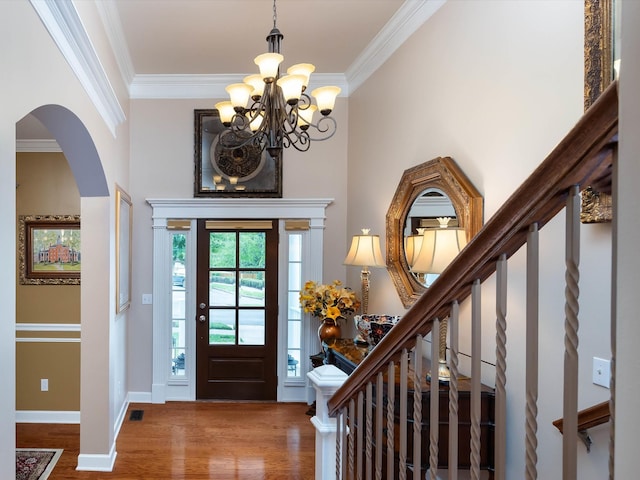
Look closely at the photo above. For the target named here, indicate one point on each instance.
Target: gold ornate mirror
(433, 189)
(601, 53)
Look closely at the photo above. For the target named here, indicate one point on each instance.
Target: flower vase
(329, 328)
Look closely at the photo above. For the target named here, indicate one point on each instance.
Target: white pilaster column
(326, 380)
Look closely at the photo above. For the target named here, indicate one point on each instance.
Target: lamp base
(444, 375)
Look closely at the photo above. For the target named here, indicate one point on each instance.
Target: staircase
(387, 442)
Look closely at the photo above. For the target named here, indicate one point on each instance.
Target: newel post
(326, 380)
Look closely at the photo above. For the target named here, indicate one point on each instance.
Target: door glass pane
(293, 360)
(252, 289)
(295, 248)
(222, 288)
(295, 312)
(222, 249)
(252, 249)
(295, 334)
(295, 275)
(222, 326)
(178, 316)
(251, 327)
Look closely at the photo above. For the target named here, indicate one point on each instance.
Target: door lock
(203, 306)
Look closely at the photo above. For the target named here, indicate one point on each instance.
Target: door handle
(202, 318)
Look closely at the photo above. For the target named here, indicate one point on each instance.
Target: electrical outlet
(601, 372)
(147, 298)
(44, 384)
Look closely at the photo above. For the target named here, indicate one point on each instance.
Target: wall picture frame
(124, 224)
(245, 171)
(49, 249)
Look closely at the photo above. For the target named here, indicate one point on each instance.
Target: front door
(237, 311)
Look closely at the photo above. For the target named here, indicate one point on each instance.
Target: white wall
(628, 224)
(162, 166)
(35, 74)
(497, 85)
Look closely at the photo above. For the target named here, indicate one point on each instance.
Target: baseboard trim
(44, 416)
(139, 397)
(98, 463)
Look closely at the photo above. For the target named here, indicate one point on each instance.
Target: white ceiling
(182, 42)
(224, 36)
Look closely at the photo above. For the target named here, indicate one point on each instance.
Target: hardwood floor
(194, 441)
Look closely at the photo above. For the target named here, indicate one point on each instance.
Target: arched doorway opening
(86, 177)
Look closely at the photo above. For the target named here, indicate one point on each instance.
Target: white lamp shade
(226, 111)
(291, 86)
(365, 251)
(256, 82)
(254, 124)
(268, 64)
(326, 98)
(239, 94)
(439, 247)
(304, 69)
(412, 245)
(305, 115)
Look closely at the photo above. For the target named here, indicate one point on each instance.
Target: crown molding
(108, 12)
(35, 145)
(409, 18)
(63, 23)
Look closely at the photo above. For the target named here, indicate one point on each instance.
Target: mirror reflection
(424, 213)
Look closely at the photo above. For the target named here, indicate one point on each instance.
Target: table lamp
(438, 249)
(365, 251)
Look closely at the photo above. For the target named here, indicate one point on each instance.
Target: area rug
(35, 463)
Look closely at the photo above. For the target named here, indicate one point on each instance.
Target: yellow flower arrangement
(328, 301)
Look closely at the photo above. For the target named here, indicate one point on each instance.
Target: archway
(83, 160)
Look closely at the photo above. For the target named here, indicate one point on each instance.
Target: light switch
(601, 372)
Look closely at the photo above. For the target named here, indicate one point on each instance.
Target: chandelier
(272, 111)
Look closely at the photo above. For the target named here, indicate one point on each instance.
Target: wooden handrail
(582, 158)
(589, 417)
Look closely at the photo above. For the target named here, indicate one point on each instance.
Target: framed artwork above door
(245, 171)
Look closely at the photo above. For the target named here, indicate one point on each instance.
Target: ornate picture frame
(49, 249)
(124, 223)
(242, 172)
(599, 23)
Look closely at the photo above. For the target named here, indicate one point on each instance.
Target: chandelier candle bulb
(254, 124)
(305, 116)
(291, 86)
(257, 83)
(268, 64)
(304, 69)
(239, 94)
(326, 98)
(226, 111)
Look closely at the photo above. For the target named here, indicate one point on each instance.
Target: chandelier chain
(275, 14)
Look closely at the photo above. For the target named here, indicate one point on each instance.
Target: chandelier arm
(325, 126)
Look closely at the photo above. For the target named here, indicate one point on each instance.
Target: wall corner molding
(409, 18)
(63, 23)
(37, 145)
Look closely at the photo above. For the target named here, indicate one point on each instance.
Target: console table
(347, 355)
